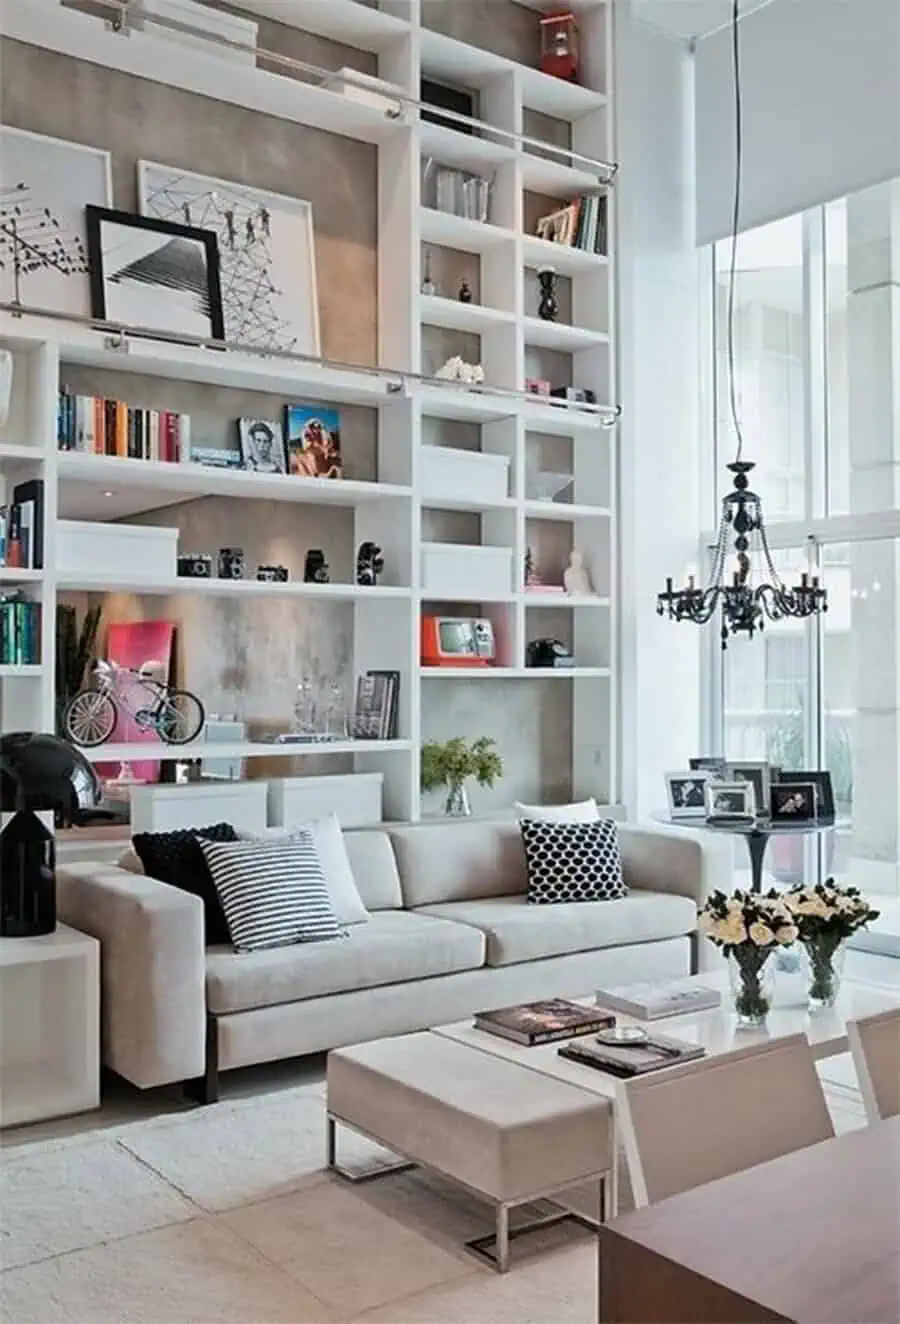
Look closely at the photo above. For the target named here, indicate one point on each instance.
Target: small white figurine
(457, 370)
(576, 579)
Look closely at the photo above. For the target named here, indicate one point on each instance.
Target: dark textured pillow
(572, 861)
(176, 858)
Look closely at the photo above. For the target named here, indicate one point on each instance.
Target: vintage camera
(315, 570)
(231, 563)
(574, 395)
(195, 566)
(369, 564)
(272, 574)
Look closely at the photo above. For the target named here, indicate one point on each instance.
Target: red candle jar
(559, 46)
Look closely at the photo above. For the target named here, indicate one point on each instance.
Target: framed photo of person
(262, 446)
(758, 775)
(820, 780)
(793, 802)
(713, 766)
(686, 794)
(313, 440)
(730, 801)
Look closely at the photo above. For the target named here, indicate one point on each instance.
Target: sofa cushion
(394, 947)
(572, 861)
(517, 932)
(332, 852)
(371, 857)
(579, 811)
(176, 858)
(458, 860)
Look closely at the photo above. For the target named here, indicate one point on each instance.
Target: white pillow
(328, 838)
(582, 811)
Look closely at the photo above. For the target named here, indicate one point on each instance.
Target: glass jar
(824, 970)
(752, 988)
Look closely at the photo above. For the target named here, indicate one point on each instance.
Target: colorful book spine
(20, 631)
(93, 425)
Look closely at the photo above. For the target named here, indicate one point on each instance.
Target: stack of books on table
(632, 1059)
(652, 1001)
(544, 1022)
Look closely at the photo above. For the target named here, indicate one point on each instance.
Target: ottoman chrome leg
(371, 1174)
(495, 1247)
(502, 1238)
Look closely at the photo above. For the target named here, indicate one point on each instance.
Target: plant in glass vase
(749, 927)
(453, 763)
(826, 916)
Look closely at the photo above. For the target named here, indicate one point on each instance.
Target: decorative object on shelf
(262, 446)
(313, 441)
(574, 395)
(743, 605)
(793, 802)
(457, 641)
(428, 286)
(457, 761)
(826, 916)
(195, 565)
(266, 251)
(548, 305)
(821, 781)
(334, 721)
(217, 457)
(376, 707)
(686, 794)
(537, 386)
(546, 484)
(6, 380)
(580, 224)
(464, 294)
(38, 773)
(730, 802)
(142, 693)
(369, 564)
(130, 644)
(457, 370)
(576, 580)
(532, 576)
(559, 46)
(710, 764)
(43, 242)
(549, 653)
(231, 564)
(154, 275)
(75, 649)
(749, 927)
(455, 192)
(304, 716)
(315, 570)
(759, 776)
(460, 101)
(278, 574)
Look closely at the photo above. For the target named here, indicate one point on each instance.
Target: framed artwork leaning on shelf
(312, 438)
(262, 446)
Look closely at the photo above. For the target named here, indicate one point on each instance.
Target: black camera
(231, 563)
(272, 574)
(195, 567)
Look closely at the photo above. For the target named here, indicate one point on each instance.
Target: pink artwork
(132, 645)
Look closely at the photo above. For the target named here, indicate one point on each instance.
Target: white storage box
(215, 22)
(466, 573)
(133, 552)
(464, 475)
(356, 799)
(364, 88)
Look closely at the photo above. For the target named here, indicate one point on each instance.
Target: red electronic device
(559, 46)
(457, 641)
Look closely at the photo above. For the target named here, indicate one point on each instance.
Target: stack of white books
(652, 1001)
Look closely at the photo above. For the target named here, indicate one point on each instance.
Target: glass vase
(824, 967)
(457, 803)
(752, 988)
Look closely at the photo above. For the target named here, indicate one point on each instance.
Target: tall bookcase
(399, 509)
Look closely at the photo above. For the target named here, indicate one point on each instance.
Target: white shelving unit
(412, 411)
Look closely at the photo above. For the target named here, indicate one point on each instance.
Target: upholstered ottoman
(508, 1134)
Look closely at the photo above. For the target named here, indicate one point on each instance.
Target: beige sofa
(449, 933)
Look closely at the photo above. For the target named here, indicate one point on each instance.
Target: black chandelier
(744, 605)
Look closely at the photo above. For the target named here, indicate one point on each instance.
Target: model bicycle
(91, 717)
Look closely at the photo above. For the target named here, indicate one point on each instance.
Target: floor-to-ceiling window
(817, 341)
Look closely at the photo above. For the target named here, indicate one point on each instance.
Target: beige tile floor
(148, 1212)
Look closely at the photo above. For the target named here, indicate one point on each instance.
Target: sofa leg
(205, 1089)
(695, 952)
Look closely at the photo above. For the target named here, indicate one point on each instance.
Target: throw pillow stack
(571, 854)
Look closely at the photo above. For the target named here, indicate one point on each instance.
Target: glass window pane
(769, 356)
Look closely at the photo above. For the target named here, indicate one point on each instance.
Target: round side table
(756, 833)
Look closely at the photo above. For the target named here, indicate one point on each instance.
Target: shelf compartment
(246, 749)
(561, 336)
(434, 310)
(562, 511)
(565, 258)
(452, 479)
(447, 230)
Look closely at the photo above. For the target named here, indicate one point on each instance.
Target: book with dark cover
(543, 1022)
(626, 1060)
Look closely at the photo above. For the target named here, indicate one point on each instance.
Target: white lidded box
(465, 573)
(135, 552)
(355, 797)
(463, 475)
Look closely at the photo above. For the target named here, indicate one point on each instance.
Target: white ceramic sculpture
(576, 579)
(457, 370)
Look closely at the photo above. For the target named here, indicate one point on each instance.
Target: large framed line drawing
(266, 253)
(45, 185)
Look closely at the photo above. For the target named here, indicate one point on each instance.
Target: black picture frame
(189, 269)
(793, 802)
(822, 783)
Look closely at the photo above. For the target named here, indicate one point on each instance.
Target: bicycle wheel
(90, 718)
(181, 717)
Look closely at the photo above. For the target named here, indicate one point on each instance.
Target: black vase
(548, 308)
(27, 878)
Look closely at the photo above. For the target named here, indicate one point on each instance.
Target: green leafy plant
(455, 761)
(74, 650)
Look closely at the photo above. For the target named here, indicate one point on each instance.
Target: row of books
(582, 224)
(22, 527)
(20, 631)
(376, 708)
(98, 426)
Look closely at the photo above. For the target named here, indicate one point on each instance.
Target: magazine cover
(551, 1018)
(313, 439)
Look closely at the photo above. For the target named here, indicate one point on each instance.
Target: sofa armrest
(153, 969)
(675, 861)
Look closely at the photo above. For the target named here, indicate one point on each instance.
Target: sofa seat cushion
(516, 931)
(394, 947)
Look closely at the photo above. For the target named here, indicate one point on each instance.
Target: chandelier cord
(735, 220)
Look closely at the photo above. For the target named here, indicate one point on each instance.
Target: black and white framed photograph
(758, 775)
(822, 783)
(734, 800)
(262, 446)
(710, 764)
(793, 802)
(154, 275)
(686, 794)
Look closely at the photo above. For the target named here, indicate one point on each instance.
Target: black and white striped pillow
(273, 893)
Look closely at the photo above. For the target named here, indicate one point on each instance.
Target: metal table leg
(756, 844)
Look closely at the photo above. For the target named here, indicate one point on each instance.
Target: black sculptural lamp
(38, 773)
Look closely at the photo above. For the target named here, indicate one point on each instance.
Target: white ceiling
(692, 18)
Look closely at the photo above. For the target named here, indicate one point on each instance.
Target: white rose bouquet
(826, 916)
(749, 927)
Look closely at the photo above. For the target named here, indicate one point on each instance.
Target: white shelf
(565, 258)
(447, 230)
(229, 588)
(483, 155)
(27, 671)
(469, 405)
(515, 673)
(246, 749)
(565, 600)
(9, 575)
(559, 335)
(14, 453)
(563, 512)
(469, 503)
(345, 21)
(434, 310)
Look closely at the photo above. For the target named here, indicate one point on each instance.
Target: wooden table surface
(812, 1238)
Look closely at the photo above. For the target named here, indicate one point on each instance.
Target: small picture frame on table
(820, 780)
(710, 764)
(758, 775)
(686, 794)
(730, 801)
(794, 802)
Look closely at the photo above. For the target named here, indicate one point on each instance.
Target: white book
(652, 1001)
